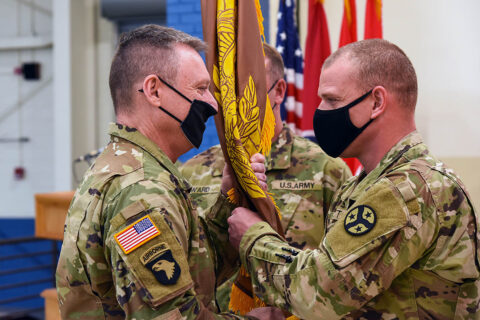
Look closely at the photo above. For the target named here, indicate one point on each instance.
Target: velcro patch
(389, 209)
(296, 185)
(134, 209)
(138, 233)
(161, 267)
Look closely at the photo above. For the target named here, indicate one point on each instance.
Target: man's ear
(280, 90)
(151, 89)
(379, 94)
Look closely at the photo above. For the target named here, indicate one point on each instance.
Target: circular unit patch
(360, 220)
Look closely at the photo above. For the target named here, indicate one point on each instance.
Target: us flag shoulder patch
(138, 233)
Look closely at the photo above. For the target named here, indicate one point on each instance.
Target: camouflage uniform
(401, 243)
(167, 269)
(302, 178)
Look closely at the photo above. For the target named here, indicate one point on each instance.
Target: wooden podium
(50, 213)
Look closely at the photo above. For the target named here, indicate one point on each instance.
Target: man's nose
(212, 101)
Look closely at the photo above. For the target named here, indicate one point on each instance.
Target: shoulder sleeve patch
(360, 220)
(377, 213)
(159, 264)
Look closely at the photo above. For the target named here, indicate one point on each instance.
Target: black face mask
(334, 130)
(193, 126)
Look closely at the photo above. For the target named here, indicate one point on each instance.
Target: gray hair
(149, 49)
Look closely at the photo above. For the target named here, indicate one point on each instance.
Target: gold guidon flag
(245, 123)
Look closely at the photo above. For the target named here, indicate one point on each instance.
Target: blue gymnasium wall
(186, 15)
(17, 228)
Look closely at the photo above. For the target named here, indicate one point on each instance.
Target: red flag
(316, 51)
(348, 34)
(354, 164)
(373, 19)
(373, 29)
(349, 24)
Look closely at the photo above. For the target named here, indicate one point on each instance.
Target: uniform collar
(280, 156)
(215, 160)
(408, 147)
(405, 144)
(134, 136)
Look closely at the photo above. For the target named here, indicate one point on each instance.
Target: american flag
(136, 234)
(288, 46)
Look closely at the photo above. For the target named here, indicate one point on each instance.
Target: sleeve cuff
(255, 232)
(221, 210)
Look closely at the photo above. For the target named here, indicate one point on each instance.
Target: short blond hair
(381, 63)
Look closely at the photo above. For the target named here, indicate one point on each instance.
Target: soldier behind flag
(302, 178)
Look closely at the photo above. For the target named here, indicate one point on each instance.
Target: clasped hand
(257, 162)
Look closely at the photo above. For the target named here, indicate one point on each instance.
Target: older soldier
(301, 176)
(133, 245)
(402, 238)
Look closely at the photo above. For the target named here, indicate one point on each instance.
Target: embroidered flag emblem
(138, 233)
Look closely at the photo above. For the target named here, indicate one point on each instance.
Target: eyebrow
(329, 95)
(202, 82)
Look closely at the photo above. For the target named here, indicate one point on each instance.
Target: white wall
(66, 113)
(84, 48)
(441, 38)
(62, 69)
(35, 116)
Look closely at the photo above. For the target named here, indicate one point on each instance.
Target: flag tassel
(242, 302)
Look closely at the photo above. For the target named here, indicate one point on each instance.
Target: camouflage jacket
(302, 178)
(401, 243)
(133, 245)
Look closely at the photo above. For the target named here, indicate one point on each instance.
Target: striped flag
(288, 46)
(136, 234)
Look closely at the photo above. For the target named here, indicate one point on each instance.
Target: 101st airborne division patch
(160, 261)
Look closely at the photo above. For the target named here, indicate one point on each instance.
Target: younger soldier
(402, 238)
(302, 178)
